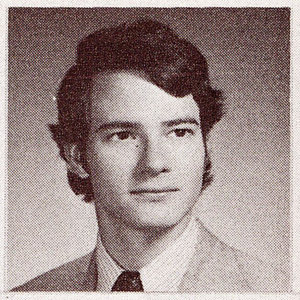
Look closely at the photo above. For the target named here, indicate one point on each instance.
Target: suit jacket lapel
(214, 267)
(90, 279)
(191, 280)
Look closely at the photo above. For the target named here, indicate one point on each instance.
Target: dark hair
(146, 46)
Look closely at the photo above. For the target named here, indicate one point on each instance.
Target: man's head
(134, 114)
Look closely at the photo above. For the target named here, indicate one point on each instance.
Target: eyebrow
(127, 124)
(181, 121)
(117, 124)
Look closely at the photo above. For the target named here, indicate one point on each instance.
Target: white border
(295, 128)
(3, 142)
(295, 122)
(150, 3)
(150, 296)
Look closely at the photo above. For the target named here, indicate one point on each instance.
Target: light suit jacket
(215, 267)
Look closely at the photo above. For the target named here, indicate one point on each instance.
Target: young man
(134, 115)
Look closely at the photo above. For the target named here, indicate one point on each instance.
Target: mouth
(154, 191)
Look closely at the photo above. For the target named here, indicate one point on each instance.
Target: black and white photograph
(148, 150)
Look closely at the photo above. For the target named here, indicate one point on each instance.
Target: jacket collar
(90, 279)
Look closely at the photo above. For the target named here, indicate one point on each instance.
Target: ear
(73, 159)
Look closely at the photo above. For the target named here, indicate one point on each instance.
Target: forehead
(125, 96)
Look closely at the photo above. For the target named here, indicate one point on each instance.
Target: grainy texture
(248, 203)
(215, 267)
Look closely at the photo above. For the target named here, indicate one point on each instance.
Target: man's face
(145, 151)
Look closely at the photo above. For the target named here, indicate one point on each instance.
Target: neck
(132, 247)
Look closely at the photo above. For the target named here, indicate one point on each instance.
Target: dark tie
(128, 282)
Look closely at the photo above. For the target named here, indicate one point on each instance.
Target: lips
(153, 191)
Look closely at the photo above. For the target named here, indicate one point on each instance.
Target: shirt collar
(107, 269)
(166, 271)
(163, 274)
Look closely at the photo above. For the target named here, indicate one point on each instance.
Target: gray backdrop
(247, 205)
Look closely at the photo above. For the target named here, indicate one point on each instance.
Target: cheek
(189, 159)
(110, 165)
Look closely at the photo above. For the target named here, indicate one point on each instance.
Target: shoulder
(261, 275)
(237, 269)
(66, 277)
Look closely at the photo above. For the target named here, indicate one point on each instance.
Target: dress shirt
(163, 274)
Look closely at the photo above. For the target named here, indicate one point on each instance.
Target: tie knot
(128, 281)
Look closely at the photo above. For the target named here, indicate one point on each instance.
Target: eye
(181, 132)
(121, 136)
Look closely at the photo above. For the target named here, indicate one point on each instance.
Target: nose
(153, 159)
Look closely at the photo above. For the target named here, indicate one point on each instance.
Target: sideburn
(207, 177)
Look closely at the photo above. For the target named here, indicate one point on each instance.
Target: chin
(157, 222)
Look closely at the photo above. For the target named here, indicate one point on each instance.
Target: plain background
(247, 205)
